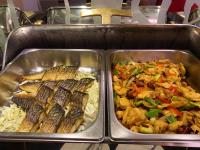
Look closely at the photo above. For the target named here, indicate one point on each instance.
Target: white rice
(11, 118)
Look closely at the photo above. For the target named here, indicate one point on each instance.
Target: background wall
(41, 5)
(18, 3)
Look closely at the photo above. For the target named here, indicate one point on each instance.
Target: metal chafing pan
(117, 131)
(134, 37)
(35, 60)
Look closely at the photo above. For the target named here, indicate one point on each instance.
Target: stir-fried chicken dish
(155, 98)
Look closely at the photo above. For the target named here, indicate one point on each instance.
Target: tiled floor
(79, 146)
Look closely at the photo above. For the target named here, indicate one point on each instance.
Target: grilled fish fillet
(52, 120)
(84, 84)
(24, 102)
(35, 76)
(31, 87)
(69, 84)
(44, 95)
(72, 121)
(61, 97)
(51, 74)
(33, 117)
(67, 72)
(79, 99)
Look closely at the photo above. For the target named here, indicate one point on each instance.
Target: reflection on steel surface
(56, 15)
(194, 17)
(106, 13)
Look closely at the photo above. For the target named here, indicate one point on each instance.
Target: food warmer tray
(134, 37)
(35, 60)
(118, 132)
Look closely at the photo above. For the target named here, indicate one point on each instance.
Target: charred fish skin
(72, 121)
(67, 72)
(31, 87)
(32, 118)
(50, 84)
(44, 95)
(52, 120)
(51, 74)
(79, 99)
(24, 103)
(84, 84)
(61, 97)
(69, 84)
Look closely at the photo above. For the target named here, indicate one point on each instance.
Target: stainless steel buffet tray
(117, 131)
(35, 60)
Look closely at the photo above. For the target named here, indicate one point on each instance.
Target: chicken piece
(179, 103)
(119, 114)
(124, 103)
(164, 84)
(135, 129)
(120, 90)
(195, 128)
(175, 125)
(132, 116)
(159, 92)
(189, 117)
(182, 69)
(146, 78)
(145, 93)
(115, 78)
(184, 118)
(160, 126)
(168, 113)
(173, 72)
(162, 106)
(197, 121)
(189, 93)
